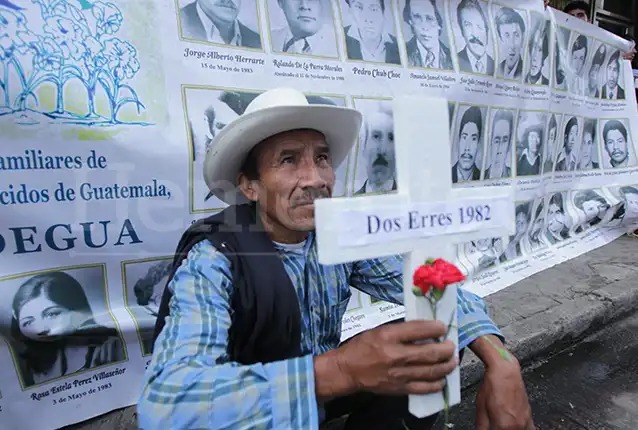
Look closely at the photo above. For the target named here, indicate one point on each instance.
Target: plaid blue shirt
(190, 383)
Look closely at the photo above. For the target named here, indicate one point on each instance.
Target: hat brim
(339, 125)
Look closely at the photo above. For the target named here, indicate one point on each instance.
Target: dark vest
(265, 314)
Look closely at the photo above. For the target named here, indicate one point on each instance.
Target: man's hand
(501, 403)
(386, 360)
(629, 55)
(546, 3)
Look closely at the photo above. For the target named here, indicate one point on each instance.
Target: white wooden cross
(345, 226)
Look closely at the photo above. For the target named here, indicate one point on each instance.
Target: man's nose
(311, 177)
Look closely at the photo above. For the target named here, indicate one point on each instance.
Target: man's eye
(323, 157)
(287, 160)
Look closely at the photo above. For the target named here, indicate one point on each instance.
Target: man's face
(224, 11)
(593, 76)
(533, 142)
(501, 135)
(572, 135)
(580, 14)
(631, 203)
(379, 148)
(616, 146)
(536, 62)
(468, 145)
(368, 16)
(304, 17)
(592, 209)
(586, 149)
(551, 141)
(521, 224)
(555, 219)
(612, 75)
(537, 227)
(483, 245)
(474, 31)
(512, 40)
(578, 60)
(294, 170)
(424, 23)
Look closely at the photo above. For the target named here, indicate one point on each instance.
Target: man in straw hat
(249, 325)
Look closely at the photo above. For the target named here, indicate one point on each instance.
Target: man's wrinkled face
(580, 14)
(616, 146)
(570, 139)
(555, 219)
(586, 149)
(304, 17)
(536, 62)
(594, 73)
(612, 75)
(469, 140)
(631, 203)
(221, 11)
(379, 148)
(294, 170)
(368, 17)
(501, 135)
(533, 142)
(592, 209)
(474, 31)
(512, 40)
(578, 60)
(424, 23)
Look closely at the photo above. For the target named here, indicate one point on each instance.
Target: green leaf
(429, 261)
(437, 294)
(417, 291)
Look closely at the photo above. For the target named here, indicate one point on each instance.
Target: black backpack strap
(266, 318)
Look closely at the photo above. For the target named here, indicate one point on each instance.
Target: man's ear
(248, 187)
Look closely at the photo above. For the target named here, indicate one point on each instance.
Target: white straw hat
(270, 113)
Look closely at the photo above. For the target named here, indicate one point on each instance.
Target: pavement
(539, 316)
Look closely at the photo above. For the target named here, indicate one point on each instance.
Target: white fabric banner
(108, 107)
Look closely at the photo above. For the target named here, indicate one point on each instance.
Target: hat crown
(277, 97)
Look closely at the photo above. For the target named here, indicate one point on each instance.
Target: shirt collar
(212, 33)
(473, 59)
(512, 72)
(529, 160)
(423, 51)
(315, 40)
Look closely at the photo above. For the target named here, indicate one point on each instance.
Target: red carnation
(436, 274)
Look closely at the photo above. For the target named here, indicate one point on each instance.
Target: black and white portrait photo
(208, 111)
(535, 238)
(481, 254)
(591, 209)
(618, 151)
(144, 283)
(221, 22)
(467, 143)
(369, 31)
(511, 30)
(426, 34)
(568, 159)
(557, 218)
(589, 158)
(595, 75)
(561, 64)
(549, 146)
(498, 162)
(375, 167)
(514, 247)
(302, 27)
(613, 90)
(577, 57)
(627, 210)
(529, 143)
(60, 323)
(538, 70)
(471, 29)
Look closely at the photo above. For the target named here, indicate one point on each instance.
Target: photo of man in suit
(474, 57)
(593, 83)
(612, 89)
(366, 37)
(617, 145)
(468, 146)
(578, 55)
(377, 155)
(550, 145)
(426, 47)
(511, 32)
(500, 145)
(568, 160)
(588, 148)
(538, 53)
(309, 28)
(216, 21)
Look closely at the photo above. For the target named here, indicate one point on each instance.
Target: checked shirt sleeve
(191, 384)
(382, 278)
